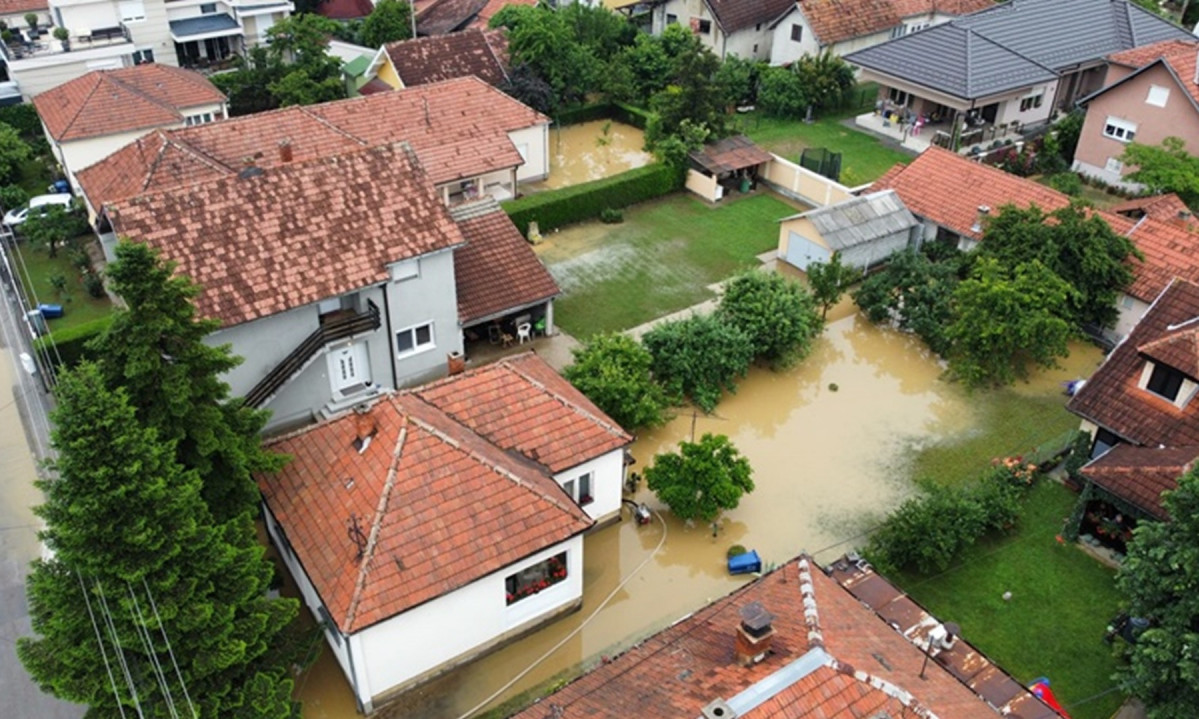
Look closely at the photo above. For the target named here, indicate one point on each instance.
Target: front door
(348, 369)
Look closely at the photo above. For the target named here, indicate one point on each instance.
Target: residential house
(407, 63)
(1008, 67)
(839, 27)
(93, 116)
(380, 514)
(864, 231)
(13, 12)
(1138, 407)
(109, 35)
(953, 196)
(1150, 93)
(799, 641)
(472, 139)
(726, 27)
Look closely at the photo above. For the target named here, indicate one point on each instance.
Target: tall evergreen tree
(143, 579)
(155, 350)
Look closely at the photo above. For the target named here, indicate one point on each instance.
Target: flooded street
(827, 464)
(592, 151)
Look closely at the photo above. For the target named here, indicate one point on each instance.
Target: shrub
(584, 202)
(71, 342)
(93, 284)
(583, 113)
(699, 357)
(13, 196)
(1080, 454)
(611, 216)
(735, 551)
(1066, 182)
(638, 117)
(613, 370)
(778, 314)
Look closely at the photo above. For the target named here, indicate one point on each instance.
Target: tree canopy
(777, 313)
(699, 357)
(613, 370)
(391, 20)
(1165, 168)
(702, 479)
(829, 281)
(1160, 581)
(916, 292)
(53, 226)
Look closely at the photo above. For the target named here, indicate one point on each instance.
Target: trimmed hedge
(577, 203)
(630, 115)
(586, 113)
(71, 341)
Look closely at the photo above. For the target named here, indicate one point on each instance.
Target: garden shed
(730, 165)
(865, 231)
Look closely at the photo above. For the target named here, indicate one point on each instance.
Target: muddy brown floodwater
(827, 464)
(592, 151)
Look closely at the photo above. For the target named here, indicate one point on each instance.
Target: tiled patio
(919, 140)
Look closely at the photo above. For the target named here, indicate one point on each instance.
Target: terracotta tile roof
(730, 154)
(909, 8)
(1112, 398)
(107, 102)
(1140, 474)
(442, 17)
(734, 15)
(947, 189)
(497, 270)
(344, 9)
(492, 7)
(442, 57)
(458, 128)
(12, 7)
(293, 233)
(521, 404)
(1178, 349)
(831, 656)
(1179, 55)
(414, 491)
(1161, 207)
(833, 21)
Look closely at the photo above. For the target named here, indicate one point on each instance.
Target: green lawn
(659, 260)
(1054, 623)
(1012, 423)
(863, 157)
(36, 268)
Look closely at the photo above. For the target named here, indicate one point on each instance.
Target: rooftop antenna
(356, 535)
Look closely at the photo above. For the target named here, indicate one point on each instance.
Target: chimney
(365, 427)
(754, 634)
(983, 211)
(285, 151)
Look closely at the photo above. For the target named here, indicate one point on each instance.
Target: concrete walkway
(1132, 709)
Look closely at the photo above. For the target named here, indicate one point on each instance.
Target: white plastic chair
(524, 332)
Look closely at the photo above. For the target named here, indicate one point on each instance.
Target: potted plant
(63, 35)
(31, 21)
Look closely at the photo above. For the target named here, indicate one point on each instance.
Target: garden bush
(638, 117)
(13, 196)
(613, 371)
(71, 342)
(699, 358)
(583, 113)
(1066, 182)
(577, 203)
(779, 315)
(611, 216)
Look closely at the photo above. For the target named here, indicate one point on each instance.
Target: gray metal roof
(859, 220)
(1015, 44)
(203, 25)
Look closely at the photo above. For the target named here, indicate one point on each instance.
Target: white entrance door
(348, 368)
(802, 252)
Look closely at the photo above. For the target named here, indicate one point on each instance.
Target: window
(141, 57)
(758, 27)
(1104, 440)
(672, 19)
(704, 27)
(1126, 302)
(755, 48)
(534, 579)
(1118, 129)
(1114, 165)
(897, 31)
(207, 8)
(414, 339)
(1158, 96)
(917, 27)
(797, 33)
(899, 97)
(1165, 381)
(200, 119)
(405, 270)
(1030, 102)
(579, 489)
(132, 10)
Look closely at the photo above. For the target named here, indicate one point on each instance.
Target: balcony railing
(331, 330)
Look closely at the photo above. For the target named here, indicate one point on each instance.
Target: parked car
(37, 205)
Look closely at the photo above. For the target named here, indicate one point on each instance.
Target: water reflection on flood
(826, 463)
(592, 151)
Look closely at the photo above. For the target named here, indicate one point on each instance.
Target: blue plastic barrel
(50, 312)
(745, 563)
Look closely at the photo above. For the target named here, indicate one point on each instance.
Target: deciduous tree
(52, 226)
(1160, 580)
(1165, 168)
(778, 314)
(916, 292)
(782, 94)
(141, 569)
(699, 358)
(702, 479)
(613, 370)
(13, 151)
(391, 20)
(829, 280)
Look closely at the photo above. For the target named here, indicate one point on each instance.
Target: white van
(18, 215)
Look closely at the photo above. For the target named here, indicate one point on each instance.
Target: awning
(204, 27)
(729, 155)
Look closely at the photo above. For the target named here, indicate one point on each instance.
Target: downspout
(353, 673)
(391, 350)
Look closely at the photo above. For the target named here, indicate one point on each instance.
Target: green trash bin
(745, 184)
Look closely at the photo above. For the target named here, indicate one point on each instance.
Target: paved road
(24, 440)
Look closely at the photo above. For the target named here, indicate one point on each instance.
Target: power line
(162, 627)
(143, 634)
(103, 653)
(116, 642)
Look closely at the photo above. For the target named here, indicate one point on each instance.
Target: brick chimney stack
(754, 634)
(285, 154)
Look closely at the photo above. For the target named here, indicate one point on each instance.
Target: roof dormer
(1172, 365)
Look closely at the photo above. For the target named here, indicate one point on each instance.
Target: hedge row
(630, 115)
(71, 341)
(577, 203)
(618, 111)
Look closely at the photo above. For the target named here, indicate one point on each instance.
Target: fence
(800, 183)
(822, 162)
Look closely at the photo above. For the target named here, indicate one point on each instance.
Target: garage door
(802, 252)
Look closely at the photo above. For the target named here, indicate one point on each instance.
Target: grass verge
(1054, 623)
(36, 269)
(864, 157)
(659, 260)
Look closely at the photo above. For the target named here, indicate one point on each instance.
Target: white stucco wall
(428, 636)
(1131, 310)
(35, 75)
(433, 297)
(533, 144)
(607, 483)
(783, 49)
(154, 33)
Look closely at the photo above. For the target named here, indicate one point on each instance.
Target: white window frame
(417, 347)
(1114, 165)
(574, 488)
(1032, 101)
(201, 118)
(131, 10)
(796, 32)
(1158, 96)
(1119, 130)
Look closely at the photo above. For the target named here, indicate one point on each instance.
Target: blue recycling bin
(50, 312)
(745, 563)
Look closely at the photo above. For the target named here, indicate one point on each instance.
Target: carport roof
(729, 155)
(203, 25)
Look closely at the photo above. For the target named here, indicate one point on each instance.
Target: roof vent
(983, 211)
(754, 634)
(718, 709)
(249, 171)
